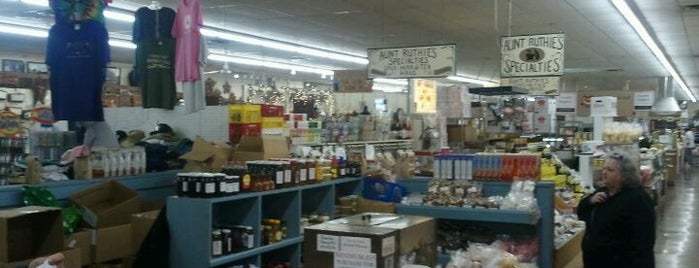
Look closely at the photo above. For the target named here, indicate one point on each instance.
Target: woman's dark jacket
(619, 232)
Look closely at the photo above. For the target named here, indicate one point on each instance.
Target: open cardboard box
(27, 232)
(141, 223)
(258, 148)
(107, 204)
(207, 156)
(71, 260)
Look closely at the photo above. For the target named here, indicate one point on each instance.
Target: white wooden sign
(566, 103)
(643, 100)
(532, 55)
(412, 62)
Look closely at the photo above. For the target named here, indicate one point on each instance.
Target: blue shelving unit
(543, 222)
(191, 222)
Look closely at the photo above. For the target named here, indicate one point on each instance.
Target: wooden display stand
(564, 254)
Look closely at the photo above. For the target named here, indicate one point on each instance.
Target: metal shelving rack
(191, 221)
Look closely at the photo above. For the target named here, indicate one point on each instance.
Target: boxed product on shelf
(293, 117)
(207, 156)
(265, 147)
(106, 204)
(28, 232)
(272, 111)
(244, 113)
(237, 130)
(272, 122)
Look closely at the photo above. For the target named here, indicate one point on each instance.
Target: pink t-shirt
(186, 30)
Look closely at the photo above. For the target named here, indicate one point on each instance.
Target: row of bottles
(108, 162)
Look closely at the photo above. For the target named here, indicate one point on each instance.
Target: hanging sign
(412, 62)
(352, 81)
(566, 103)
(544, 85)
(425, 96)
(532, 55)
(643, 100)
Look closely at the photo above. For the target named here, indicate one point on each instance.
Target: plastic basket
(381, 190)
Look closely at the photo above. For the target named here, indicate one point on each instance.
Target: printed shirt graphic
(155, 63)
(78, 57)
(188, 21)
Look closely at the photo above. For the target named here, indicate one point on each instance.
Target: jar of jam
(221, 184)
(227, 239)
(210, 185)
(196, 184)
(311, 170)
(216, 243)
(288, 179)
(303, 171)
(278, 175)
(182, 184)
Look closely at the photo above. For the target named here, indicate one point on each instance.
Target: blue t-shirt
(77, 54)
(153, 24)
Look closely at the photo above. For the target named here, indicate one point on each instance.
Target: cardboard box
(257, 148)
(71, 260)
(141, 224)
(384, 238)
(366, 205)
(111, 243)
(329, 243)
(107, 204)
(206, 156)
(81, 240)
(28, 232)
(568, 251)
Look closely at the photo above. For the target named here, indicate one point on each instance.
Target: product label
(312, 174)
(235, 187)
(229, 243)
(197, 187)
(354, 260)
(287, 176)
(185, 186)
(355, 244)
(343, 172)
(304, 174)
(216, 248)
(328, 243)
(246, 181)
(210, 188)
(223, 187)
(248, 240)
(279, 177)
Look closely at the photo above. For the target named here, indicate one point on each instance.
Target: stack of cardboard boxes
(115, 220)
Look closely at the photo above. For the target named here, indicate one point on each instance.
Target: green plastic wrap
(40, 196)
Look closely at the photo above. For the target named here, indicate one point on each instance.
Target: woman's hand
(55, 259)
(598, 198)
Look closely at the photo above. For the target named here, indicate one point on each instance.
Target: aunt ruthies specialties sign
(412, 62)
(532, 55)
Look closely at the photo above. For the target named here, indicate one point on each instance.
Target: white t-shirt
(689, 139)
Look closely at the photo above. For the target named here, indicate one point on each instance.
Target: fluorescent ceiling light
(269, 64)
(246, 39)
(11, 29)
(43, 3)
(631, 18)
(388, 89)
(472, 81)
(398, 82)
(122, 44)
(120, 16)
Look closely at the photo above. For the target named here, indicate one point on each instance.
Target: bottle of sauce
(278, 175)
(318, 169)
(334, 168)
(303, 171)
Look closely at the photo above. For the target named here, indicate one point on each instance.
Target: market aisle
(677, 231)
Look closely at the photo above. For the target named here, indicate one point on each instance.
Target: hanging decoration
(261, 93)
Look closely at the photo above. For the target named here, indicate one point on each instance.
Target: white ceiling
(602, 50)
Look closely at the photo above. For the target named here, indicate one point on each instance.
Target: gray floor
(677, 231)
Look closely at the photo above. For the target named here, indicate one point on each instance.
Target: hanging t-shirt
(155, 57)
(77, 54)
(155, 72)
(66, 10)
(151, 23)
(193, 91)
(186, 30)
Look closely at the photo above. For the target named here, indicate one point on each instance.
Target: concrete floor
(677, 230)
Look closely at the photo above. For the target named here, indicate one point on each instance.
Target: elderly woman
(620, 219)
